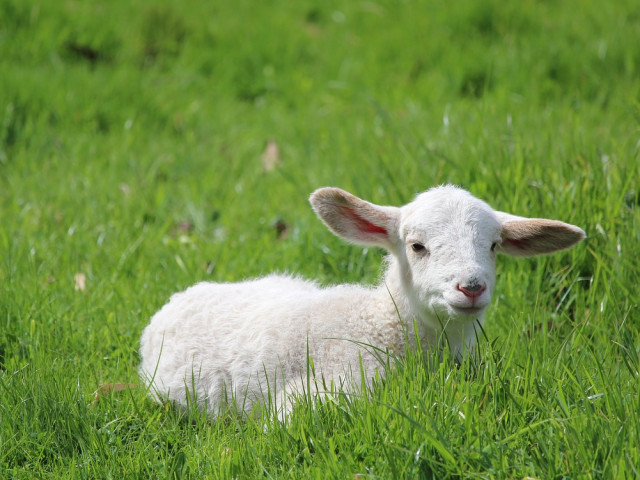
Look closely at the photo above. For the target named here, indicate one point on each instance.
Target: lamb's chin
(443, 312)
(466, 312)
(462, 313)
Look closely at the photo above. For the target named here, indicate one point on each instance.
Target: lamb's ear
(526, 237)
(356, 220)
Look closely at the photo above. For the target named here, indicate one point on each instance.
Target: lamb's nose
(473, 290)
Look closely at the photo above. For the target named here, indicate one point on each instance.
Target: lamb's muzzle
(472, 290)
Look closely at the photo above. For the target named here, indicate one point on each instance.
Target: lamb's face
(447, 253)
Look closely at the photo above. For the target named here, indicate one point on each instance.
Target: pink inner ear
(520, 244)
(362, 224)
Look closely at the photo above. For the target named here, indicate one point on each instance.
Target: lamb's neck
(396, 286)
(393, 286)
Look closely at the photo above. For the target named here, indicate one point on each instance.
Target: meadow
(146, 146)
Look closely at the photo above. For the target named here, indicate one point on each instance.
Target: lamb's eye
(417, 247)
(493, 246)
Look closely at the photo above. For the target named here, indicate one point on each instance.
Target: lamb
(244, 344)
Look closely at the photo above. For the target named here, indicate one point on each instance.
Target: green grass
(131, 136)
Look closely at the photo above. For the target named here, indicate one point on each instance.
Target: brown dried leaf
(80, 280)
(271, 156)
(185, 226)
(106, 389)
(281, 228)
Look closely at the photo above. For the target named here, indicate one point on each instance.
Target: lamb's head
(443, 244)
(446, 257)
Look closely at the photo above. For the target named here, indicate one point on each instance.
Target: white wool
(235, 343)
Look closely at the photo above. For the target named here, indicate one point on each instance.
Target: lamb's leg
(294, 390)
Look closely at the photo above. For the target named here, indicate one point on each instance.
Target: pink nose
(472, 291)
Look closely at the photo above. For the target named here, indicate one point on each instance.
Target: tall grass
(131, 138)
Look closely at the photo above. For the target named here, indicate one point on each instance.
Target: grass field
(132, 164)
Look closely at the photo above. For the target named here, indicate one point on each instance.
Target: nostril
(473, 290)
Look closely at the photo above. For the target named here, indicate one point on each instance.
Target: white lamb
(231, 344)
